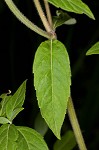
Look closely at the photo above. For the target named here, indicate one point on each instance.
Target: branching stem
(75, 125)
(42, 16)
(50, 34)
(48, 12)
(26, 21)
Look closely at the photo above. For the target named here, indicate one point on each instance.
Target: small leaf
(29, 139)
(16, 100)
(62, 18)
(16, 112)
(8, 137)
(5, 99)
(4, 120)
(67, 142)
(70, 21)
(40, 125)
(76, 6)
(52, 79)
(94, 49)
(3, 95)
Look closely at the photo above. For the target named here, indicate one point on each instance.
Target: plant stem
(26, 21)
(42, 16)
(48, 12)
(75, 125)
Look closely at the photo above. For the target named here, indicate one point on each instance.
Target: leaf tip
(93, 17)
(58, 136)
(87, 54)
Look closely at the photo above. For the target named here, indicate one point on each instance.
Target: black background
(18, 45)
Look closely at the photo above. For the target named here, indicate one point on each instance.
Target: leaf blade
(4, 120)
(16, 101)
(5, 99)
(31, 139)
(16, 112)
(76, 6)
(51, 68)
(62, 18)
(8, 137)
(94, 49)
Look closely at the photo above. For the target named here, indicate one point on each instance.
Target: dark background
(17, 49)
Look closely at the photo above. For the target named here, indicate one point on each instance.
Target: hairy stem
(48, 12)
(26, 21)
(75, 125)
(42, 16)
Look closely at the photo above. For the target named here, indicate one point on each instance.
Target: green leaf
(94, 49)
(16, 112)
(20, 138)
(76, 6)
(3, 95)
(16, 101)
(62, 18)
(5, 99)
(4, 120)
(29, 139)
(67, 142)
(52, 79)
(8, 137)
(40, 125)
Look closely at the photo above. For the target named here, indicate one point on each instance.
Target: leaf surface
(94, 49)
(76, 6)
(29, 139)
(67, 142)
(4, 120)
(5, 99)
(8, 137)
(16, 112)
(16, 101)
(62, 18)
(52, 82)
(20, 138)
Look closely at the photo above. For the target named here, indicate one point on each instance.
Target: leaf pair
(20, 138)
(13, 137)
(12, 105)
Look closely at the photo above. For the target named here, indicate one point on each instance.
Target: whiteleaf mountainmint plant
(52, 81)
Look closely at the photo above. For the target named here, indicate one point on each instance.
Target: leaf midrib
(7, 137)
(52, 82)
